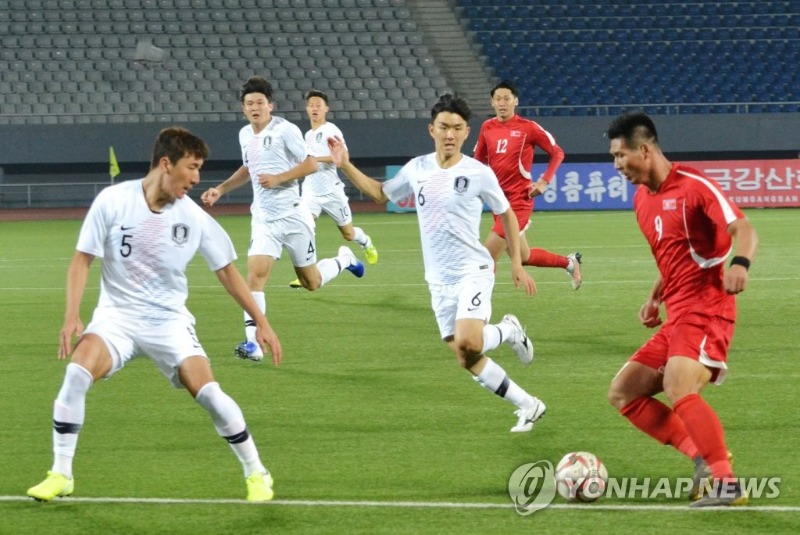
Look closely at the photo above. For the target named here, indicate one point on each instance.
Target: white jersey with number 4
(449, 205)
(274, 150)
(326, 179)
(145, 253)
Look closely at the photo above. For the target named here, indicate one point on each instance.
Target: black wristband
(740, 261)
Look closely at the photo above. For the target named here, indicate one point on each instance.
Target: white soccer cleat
(574, 270)
(519, 341)
(527, 417)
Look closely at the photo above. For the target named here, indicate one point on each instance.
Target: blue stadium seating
(693, 57)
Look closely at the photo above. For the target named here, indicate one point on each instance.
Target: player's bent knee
(468, 355)
(619, 396)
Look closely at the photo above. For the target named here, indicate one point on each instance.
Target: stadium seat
(221, 42)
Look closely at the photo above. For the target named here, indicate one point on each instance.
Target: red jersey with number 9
(685, 222)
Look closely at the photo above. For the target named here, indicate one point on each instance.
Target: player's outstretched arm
(736, 276)
(538, 188)
(239, 178)
(234, 283)
(77, 274)
(341, 157)
(650, 311)
(518, 273)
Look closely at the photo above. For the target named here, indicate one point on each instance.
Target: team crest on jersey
(461, 184)
(669, 204)
(516, 133)
(318, 137)
(180, 233)
(267, 143)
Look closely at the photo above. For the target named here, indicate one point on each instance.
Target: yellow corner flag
(113, 165)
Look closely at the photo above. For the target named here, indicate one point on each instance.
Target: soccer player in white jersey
(450, 189)
(146, 231)
(323, 191)
(275, 156)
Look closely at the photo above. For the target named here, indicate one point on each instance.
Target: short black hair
(505, 84)
(451, 103)
(634, 127)
(175, 143)
(316, 93)
(256, 84)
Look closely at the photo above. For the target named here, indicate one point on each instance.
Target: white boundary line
(410, 505)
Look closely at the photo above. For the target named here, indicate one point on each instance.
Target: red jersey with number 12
(685, 222)
(507, 147)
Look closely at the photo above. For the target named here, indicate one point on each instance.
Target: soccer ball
(581, 477)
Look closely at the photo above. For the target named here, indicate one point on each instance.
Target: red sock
(661, 423)
(543, 258)
(703, 425)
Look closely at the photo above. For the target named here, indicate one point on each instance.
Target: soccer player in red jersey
(690, 225)
(506, 144)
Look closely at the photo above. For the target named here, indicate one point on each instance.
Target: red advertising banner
(756, 183)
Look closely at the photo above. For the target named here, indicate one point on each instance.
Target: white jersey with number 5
(274, 150)
(145, 253)
(449, 205)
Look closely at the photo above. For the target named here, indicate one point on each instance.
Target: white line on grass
(419, 505)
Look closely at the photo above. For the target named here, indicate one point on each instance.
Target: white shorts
(335, 204)
(166, 342)
(469, 299)
(295, 233)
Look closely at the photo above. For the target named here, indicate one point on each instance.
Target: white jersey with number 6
(449, 205)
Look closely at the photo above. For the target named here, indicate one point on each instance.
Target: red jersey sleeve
(480, 152)
(542, 138)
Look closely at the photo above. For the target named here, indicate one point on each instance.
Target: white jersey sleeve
(215, 245)
(492, 194)
(399, 186)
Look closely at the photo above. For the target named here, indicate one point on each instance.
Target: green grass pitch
(370, 406)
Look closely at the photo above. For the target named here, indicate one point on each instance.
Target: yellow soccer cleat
(370, 252)
(259, 487)
(54, 485)
(295, 284)
(702, 479)
(723, 494)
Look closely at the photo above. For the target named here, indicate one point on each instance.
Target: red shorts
(696, 336)
(523, 214)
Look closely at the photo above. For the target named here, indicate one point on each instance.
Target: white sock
(249, 324)
(361, 238)
(330, 268)
(69, 410)
(495, 379)
(229, 422)
(495, 334)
